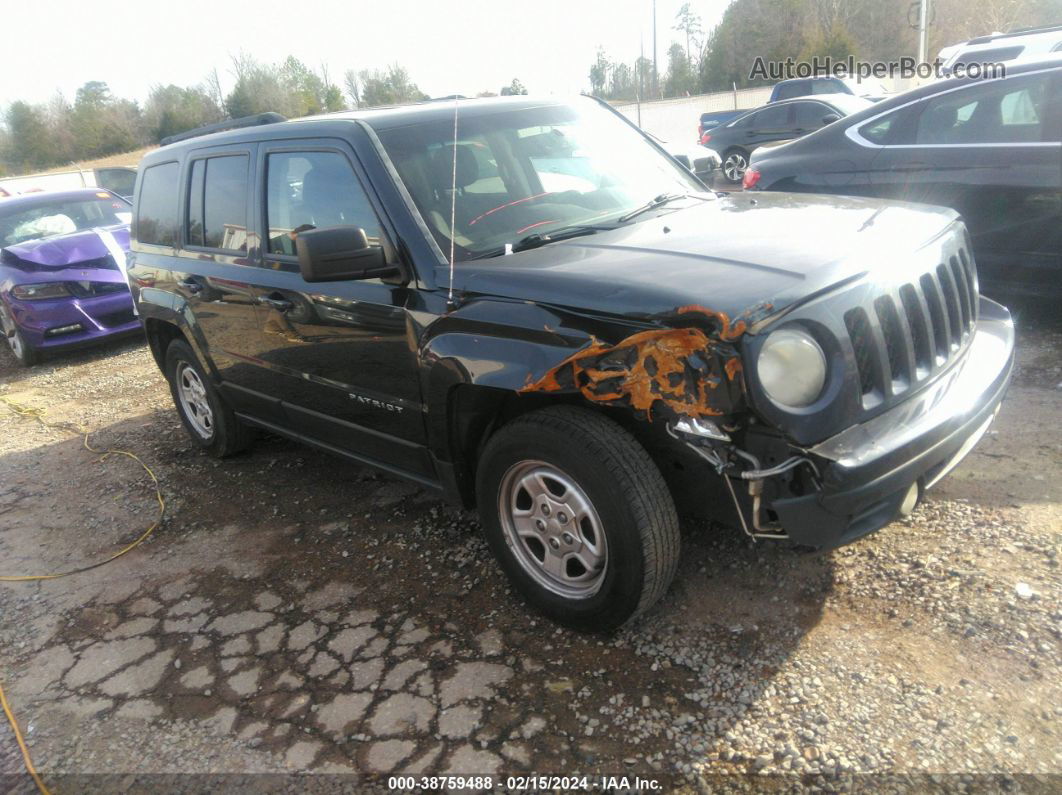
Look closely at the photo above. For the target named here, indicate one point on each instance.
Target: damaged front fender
(690, 371)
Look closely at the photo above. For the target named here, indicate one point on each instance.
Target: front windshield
(528, 171)
(45, 218)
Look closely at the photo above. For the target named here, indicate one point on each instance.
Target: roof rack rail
(228, 124)
(1015, 32)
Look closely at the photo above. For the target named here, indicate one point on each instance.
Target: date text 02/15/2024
(528, 782)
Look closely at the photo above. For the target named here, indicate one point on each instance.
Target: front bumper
(99, 317)
(868, 469)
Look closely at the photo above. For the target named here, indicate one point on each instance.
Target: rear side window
(880, 131)
(156, 216)
(829, 86)
(798, 88)
(117, 180)
(1009, 111)
(217, 203)
(314, 190)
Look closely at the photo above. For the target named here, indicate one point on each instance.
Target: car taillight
(752, 176)
(705, 139)
(700, 130)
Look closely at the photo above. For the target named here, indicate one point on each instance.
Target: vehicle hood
(65, 250)
(748, 254)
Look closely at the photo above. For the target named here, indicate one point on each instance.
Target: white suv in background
(1020, 45)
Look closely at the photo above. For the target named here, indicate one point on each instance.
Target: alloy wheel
(194, 401)
(734, 166)
(553, 529)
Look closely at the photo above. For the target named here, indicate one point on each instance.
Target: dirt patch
(298, 613)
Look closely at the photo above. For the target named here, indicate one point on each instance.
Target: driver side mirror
(830, 118)
(338, 253)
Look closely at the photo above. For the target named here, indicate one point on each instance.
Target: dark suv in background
(545, 316)
(989, 148)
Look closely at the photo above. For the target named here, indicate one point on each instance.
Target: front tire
(735, 164)
(208, 420)
(26, 354)
(578, 516)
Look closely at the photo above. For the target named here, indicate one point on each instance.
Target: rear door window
(156, 216)
(217, 203)
(117, 180)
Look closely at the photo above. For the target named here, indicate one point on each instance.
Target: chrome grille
(914, 330)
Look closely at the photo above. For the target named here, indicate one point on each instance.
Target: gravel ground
(296, 613)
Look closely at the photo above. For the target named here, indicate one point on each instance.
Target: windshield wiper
(535, 240)
(659, 201)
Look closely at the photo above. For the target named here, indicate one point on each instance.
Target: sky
(448, 47)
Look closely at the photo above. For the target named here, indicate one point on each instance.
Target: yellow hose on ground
(38, 414)
(22, 745)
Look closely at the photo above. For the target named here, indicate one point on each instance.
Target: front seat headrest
(442, 166)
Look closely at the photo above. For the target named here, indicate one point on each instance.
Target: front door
(341, 356)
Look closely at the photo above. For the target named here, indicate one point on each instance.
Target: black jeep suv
(529, 306)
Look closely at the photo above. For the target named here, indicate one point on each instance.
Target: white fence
(675, 120)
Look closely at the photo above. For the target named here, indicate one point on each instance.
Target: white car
(116, 179)
(1020, 45)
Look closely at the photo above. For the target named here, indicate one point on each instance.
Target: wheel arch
(165, 317)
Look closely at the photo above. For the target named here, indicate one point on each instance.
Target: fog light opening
(58, 330)
(910, 500)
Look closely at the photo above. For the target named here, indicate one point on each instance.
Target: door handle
(279, 304)
(190, 286)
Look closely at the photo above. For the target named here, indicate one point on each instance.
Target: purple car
(62, 282)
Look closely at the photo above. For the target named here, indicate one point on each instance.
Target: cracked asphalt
(299, 614)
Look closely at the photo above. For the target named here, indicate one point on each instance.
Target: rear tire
(735, 164)
(578, 516)
(208, 420)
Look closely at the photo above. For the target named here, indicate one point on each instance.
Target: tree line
(97, 124)
(698, 62)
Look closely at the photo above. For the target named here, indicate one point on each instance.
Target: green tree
(259, 88)
(102, 125)
(515, 88)
(171, 109)
(29, 146)
(390, 87)
(680, 80)
(599, 73)
(689, 23)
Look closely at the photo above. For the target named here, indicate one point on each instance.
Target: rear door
(773, 123)
(214, 267)
(992, 151)
(339, 356)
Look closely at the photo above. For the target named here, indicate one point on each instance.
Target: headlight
(792, 368)
(37, 292)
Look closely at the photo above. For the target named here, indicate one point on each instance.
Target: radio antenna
(453, 213)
